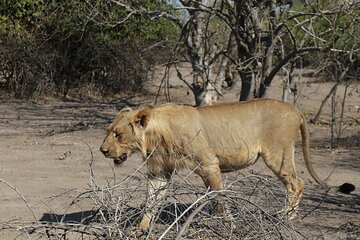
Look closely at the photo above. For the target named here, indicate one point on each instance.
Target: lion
(210, 140)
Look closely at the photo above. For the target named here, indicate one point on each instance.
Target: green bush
(337, 28)
(54, 46)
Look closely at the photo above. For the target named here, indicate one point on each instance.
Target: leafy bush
(55, 46)
(336, 28)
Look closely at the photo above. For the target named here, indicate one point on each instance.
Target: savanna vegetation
(107, 47)
(51, 47)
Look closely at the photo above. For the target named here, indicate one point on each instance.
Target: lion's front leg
(213, 181)
(155, 192)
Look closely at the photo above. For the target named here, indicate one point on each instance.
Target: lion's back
(229, 122)
(251, 118)
(253, 121)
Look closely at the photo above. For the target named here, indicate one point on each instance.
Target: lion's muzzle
(117, 160)
(104, 150)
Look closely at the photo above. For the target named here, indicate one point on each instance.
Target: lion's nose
(104, 150)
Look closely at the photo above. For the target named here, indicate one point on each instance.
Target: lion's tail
(344, 188)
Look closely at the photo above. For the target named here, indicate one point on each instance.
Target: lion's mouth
(120, 159)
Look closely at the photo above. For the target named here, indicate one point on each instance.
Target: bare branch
(22, 197)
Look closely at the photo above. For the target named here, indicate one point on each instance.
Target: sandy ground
(46, 147)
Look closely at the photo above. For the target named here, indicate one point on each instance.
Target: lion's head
(124, 134)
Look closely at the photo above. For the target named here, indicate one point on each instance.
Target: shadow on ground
(131, 216)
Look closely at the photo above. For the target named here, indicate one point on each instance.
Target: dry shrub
(25, 69)
(187, 212)
(116, 69)
(40, 68)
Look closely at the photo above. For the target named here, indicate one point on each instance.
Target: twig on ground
(22, 197)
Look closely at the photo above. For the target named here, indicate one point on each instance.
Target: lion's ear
(142, 118)
(125, 109)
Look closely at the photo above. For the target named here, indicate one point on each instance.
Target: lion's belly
(235, 160)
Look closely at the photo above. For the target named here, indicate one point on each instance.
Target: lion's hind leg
(294, 196)
(283, 165)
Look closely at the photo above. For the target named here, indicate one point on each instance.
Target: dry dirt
(46, 147)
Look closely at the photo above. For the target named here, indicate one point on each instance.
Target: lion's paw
(135, 232)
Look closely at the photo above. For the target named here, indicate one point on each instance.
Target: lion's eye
(118, 135)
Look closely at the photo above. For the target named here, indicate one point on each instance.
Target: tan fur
(212, 139)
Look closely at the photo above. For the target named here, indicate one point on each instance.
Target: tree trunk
(267, 66)
(333, 89)
(211, 92)
(246, 85)
(287, 83)
(333, 118)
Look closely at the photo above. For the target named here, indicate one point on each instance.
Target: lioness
(209, 140)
